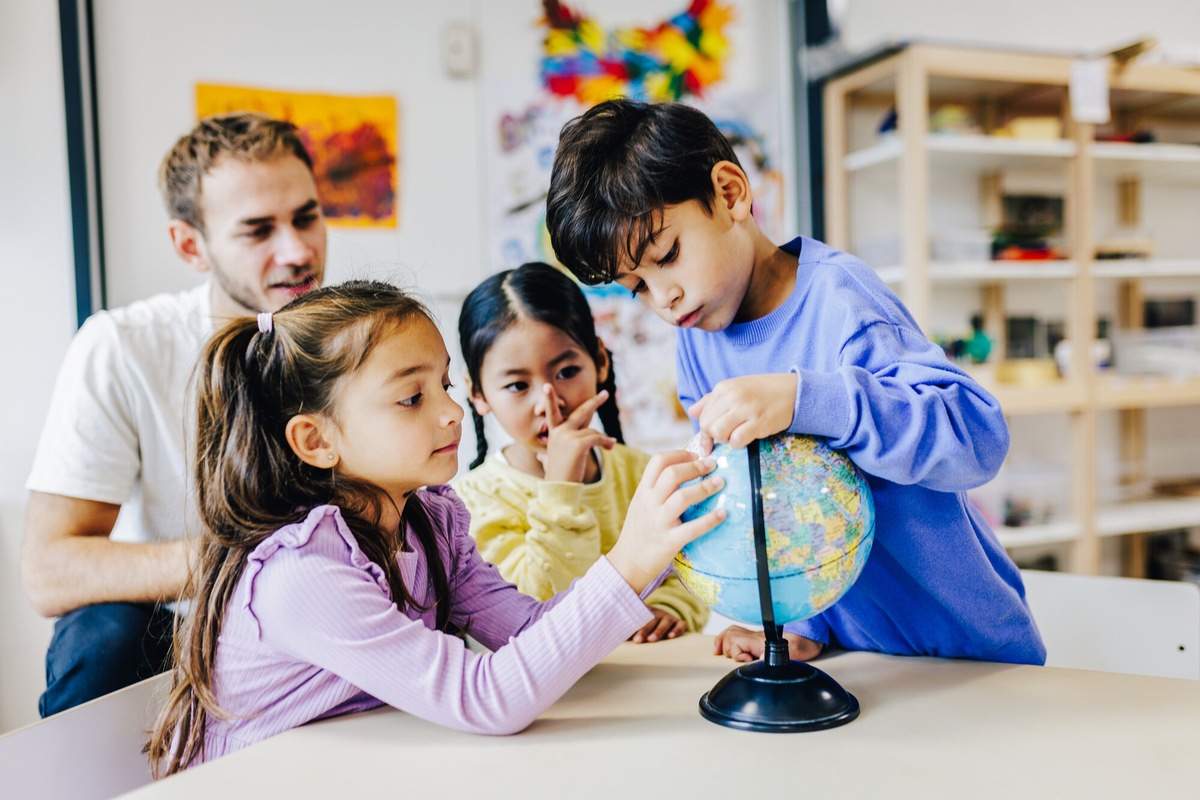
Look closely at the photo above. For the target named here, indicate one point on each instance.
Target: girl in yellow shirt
(547, 506)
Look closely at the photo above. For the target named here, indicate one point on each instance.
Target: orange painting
(352, 140)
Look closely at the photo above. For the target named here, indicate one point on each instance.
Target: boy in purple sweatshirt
(807, 339)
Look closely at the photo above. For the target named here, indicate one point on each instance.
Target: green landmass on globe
(820, 523)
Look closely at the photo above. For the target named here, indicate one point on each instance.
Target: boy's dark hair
(617, 167)
(541, 293)
(249, 482)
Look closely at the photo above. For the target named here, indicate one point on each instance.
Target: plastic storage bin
(1173, 352)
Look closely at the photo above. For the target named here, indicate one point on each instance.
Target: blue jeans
(101, 648)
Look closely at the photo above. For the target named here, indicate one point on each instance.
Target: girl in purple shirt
(329, 579)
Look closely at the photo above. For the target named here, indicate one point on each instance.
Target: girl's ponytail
(227, 418)
(241, 454)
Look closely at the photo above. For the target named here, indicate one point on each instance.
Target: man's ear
(732, 188)
(310, 437)
(481, 406)
(189, 244)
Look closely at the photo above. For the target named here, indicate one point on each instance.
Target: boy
(806, 339)
(109, 508)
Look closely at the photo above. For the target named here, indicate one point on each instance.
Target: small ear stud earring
(330, 456)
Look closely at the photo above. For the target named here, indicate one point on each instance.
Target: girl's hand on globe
(742, 644)
(653, 532)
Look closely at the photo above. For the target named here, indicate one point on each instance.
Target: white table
(630, 729)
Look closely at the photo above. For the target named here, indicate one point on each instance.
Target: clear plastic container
(1173, 352)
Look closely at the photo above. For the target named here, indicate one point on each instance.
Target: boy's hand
(569, 441)
(741, 644)
(665, 625)
(740, 410)
(653, 532)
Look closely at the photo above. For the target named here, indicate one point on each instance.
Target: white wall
(147, 66)
(1086, 26)
(37, 310)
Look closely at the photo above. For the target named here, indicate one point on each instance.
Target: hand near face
(740, 410)
(569, 441)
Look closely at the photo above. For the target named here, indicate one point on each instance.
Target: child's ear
(309, 437)
(732, 189)
(476, 397)
(603, 364)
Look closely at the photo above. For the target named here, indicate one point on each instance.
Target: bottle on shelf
(1101, 349)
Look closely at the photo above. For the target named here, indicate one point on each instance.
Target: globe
(820, 523)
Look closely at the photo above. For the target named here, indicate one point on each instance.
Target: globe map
(820, 523)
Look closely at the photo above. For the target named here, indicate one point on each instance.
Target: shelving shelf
(1147, 516)
(1145, 391)
(950, 272)
(1057, 397)
(1134, 268)
(927, 168)
(1149, 161)
(979, 152)
(1120, 519)
(985, 271)
(1038, 535)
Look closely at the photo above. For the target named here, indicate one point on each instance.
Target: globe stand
(775, 694)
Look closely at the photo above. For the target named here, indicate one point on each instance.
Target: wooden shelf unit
(917, 78)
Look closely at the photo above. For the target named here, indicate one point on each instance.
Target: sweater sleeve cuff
(657, 582)
(813, 628)
(605, 574)
(822, 404)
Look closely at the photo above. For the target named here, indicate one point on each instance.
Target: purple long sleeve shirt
(937, 581)
(311, 631)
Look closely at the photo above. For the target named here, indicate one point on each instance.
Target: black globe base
(775, 694)
(791, 697)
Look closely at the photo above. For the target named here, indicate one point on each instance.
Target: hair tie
(265, 322)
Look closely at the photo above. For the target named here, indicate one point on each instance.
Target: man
(110, 524)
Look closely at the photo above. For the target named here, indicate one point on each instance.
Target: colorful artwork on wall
(680, 56)
(582, 63)
(352, 139)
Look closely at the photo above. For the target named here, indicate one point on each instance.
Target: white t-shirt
(122, 414)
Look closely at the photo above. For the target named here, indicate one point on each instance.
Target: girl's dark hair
(249, 482)
(617, 167)
(541, 293)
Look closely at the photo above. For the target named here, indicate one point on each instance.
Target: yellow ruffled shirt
(544, 534)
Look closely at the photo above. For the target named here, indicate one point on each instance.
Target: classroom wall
(149, 55)
(37, 313)
(1087, 26)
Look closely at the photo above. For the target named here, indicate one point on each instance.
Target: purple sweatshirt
(937, 581)
(311, 631)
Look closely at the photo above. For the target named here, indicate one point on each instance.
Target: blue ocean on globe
(820, 523)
